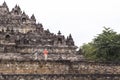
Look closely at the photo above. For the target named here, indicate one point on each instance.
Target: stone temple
(22, 42)
(20, 34)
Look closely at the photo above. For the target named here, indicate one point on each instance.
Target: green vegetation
(105, 47)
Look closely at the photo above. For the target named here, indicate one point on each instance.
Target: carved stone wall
(59, 70)
(59, 77)
(58, 67)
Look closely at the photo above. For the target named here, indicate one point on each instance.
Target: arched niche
(60, 40)
(16, 12)
(7, 37)
(23, 19)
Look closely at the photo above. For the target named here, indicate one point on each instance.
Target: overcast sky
(84, 19)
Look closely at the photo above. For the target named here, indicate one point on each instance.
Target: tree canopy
(104, 47)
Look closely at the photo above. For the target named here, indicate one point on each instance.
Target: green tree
(88, 51)
(105, 47)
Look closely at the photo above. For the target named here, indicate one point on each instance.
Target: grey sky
(84, 19)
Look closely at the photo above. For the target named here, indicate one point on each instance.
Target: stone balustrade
(58, 67)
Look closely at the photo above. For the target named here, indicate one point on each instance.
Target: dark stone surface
(60, 77)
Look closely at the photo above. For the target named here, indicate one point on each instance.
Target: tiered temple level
(21, 34)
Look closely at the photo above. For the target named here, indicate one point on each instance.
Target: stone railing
(58, 67)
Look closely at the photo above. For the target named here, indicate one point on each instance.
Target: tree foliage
(105, 47)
